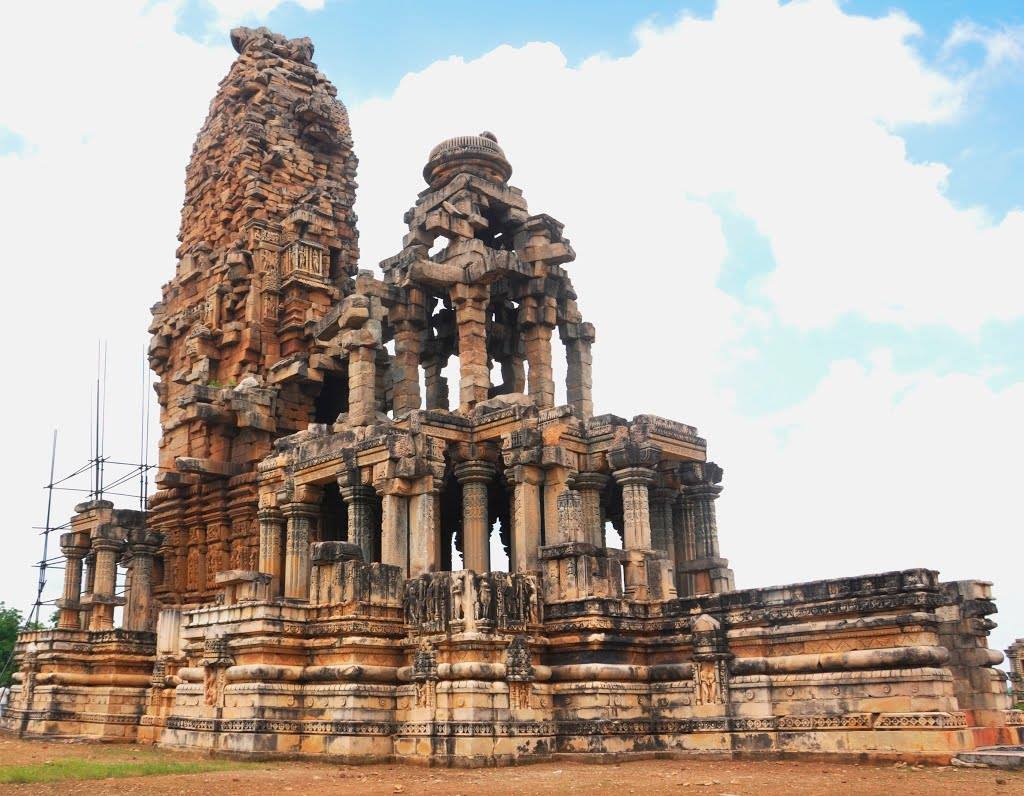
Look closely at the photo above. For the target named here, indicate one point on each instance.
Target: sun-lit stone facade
(292, 588)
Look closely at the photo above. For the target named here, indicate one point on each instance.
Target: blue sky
(799, 227)
(373, 44)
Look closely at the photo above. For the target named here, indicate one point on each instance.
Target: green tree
(10, 623)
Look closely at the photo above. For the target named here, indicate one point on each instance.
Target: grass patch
(71, 768)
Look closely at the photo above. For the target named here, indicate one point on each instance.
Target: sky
(798, 226)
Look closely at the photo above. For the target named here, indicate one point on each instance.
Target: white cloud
(876, 470)
(233, 12)
(1001, 45)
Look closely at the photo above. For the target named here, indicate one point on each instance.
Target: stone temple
(291, 589)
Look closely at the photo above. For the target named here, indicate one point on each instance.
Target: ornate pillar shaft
(362, 384)
(556, 481)
(591, 487)
(435, 384)
(579, 389)
(75, 546)
(635, 507)
(424, 532)
(537, 338)
(405, 367)
(525, 482)
(107, 547)
(476, 529)
(471, 322)
(359, 501)
(138, 614)
(271, 529)
(394, 538)
(296, 554)
(662, 501)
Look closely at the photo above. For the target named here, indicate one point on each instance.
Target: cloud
(790, 109)
(1002, 46)
(234, 12)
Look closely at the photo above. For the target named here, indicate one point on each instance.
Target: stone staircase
(993, 756)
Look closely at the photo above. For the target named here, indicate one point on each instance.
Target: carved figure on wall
(483, 599)
(708, 688)
(458, 612)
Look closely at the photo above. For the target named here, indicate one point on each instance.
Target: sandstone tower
(295, 586)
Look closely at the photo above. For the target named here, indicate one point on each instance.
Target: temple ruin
(294, 587)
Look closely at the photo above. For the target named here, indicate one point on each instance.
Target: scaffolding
(99, 477)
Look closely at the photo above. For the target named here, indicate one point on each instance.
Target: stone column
(635, 507)
(394, 534)
(662, 521)
(471, 322)
(636, 527)
(435, 384)
(706, 572)
(271, 529)
(405, 366)
(525, 482)
(362, 345)
(90, 583)
(476, 529)
(359, 501)
(107, 546)
(75, 546)
(143, 545)
(570, 516)
(296, 552)
(537, 317)
(425, 531)
(578, 370)
(556, 481)
(591, 488)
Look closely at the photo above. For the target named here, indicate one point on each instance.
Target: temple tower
(268, 245)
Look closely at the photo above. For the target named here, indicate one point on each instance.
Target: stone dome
(476, 154)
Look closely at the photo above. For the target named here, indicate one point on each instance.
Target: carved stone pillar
(75, 546)
(538, 323)
(525, 483)
(435, 385)
(394, 533)
(90, 582)
(143, 545)
(360, 503)
(591, 487)
(556, 481)
(636, 527)
(296, 552)
(405, 364)
(362, 345)
(107, 546)
(271, 530)
(662, 501)
(425, 531)
(471, 321)
(476, 529)
(579, 389)
(706, 572)
(570, 516)
(635, 507)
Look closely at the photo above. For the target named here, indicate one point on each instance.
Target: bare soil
(697, 776)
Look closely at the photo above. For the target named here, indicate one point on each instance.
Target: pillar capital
(590, 481)
(475, 471)
(641, 476)
(299, 509)
(74, 544)
(270, 514)
(355, 492)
